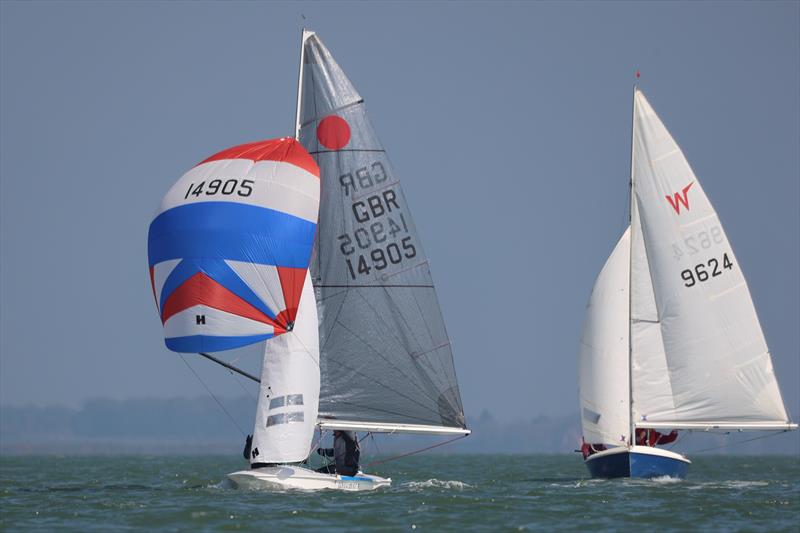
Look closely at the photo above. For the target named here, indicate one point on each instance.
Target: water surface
(430, 493)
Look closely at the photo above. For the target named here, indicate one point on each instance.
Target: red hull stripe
(286, 150)
(202, 290)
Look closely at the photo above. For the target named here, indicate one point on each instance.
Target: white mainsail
(288, 397)
(718, 368)
(603, 361)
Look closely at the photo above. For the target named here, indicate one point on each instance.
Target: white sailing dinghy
(364, 348)
(671, 339)
(385, 358)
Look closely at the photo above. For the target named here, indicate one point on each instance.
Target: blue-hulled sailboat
(671, 339)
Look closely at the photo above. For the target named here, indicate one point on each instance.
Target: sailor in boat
(591, 449)
(345, 453)
(651, 437)
(248, 444)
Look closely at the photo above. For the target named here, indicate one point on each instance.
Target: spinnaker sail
(230, 245)
(386, 359)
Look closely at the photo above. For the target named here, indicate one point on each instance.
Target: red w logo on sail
(679, 198)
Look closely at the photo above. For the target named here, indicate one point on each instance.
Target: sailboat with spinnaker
(351, 331)
(671, 340)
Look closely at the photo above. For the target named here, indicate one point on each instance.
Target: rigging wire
(727, 445)
(393, 458)
(315, 445)
(374, 443)
(239, 381)
(212, 394)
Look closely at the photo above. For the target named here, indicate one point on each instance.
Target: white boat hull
(296, 477)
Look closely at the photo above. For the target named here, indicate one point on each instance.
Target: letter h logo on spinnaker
(679, 198)
(200, 319)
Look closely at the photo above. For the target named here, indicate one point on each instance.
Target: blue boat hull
(627, 463)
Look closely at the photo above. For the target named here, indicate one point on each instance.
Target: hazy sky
(508, 125)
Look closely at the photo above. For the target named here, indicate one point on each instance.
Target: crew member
(345, 453)
(651, 437)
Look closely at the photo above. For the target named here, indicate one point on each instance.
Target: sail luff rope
(212, 395)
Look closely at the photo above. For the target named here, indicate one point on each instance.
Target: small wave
(728, 485)
(437, 484)
(744, 484)
(666, 480)
(224, 484)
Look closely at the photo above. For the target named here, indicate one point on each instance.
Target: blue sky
(508, 124)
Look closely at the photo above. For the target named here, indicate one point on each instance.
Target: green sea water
(430, 493)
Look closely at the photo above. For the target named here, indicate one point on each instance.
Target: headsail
(229, 247)
(651, 388)
(719, 368)
(385, 355)
(288, 396)
(603, 360)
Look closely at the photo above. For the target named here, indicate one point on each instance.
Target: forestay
(230, 245)
(603, 361)
(385, 355)
(719, 367)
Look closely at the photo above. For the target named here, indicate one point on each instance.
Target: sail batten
(385, 354)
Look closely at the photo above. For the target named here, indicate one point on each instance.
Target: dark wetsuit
(345, 453)
(248, 444)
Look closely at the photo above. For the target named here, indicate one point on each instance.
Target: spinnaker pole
(229, 366)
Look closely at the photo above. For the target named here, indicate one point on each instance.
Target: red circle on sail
(333, 132)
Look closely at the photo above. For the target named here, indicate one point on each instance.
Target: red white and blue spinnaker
(230, 245)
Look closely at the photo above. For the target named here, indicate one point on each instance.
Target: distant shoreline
(196, 426)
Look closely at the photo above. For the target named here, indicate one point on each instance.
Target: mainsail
(717, 371)
(386, 359)
(230, 246)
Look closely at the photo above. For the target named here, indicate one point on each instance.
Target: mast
(304, 34)
(632, 436)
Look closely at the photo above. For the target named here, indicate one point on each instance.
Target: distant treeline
(199, 425)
